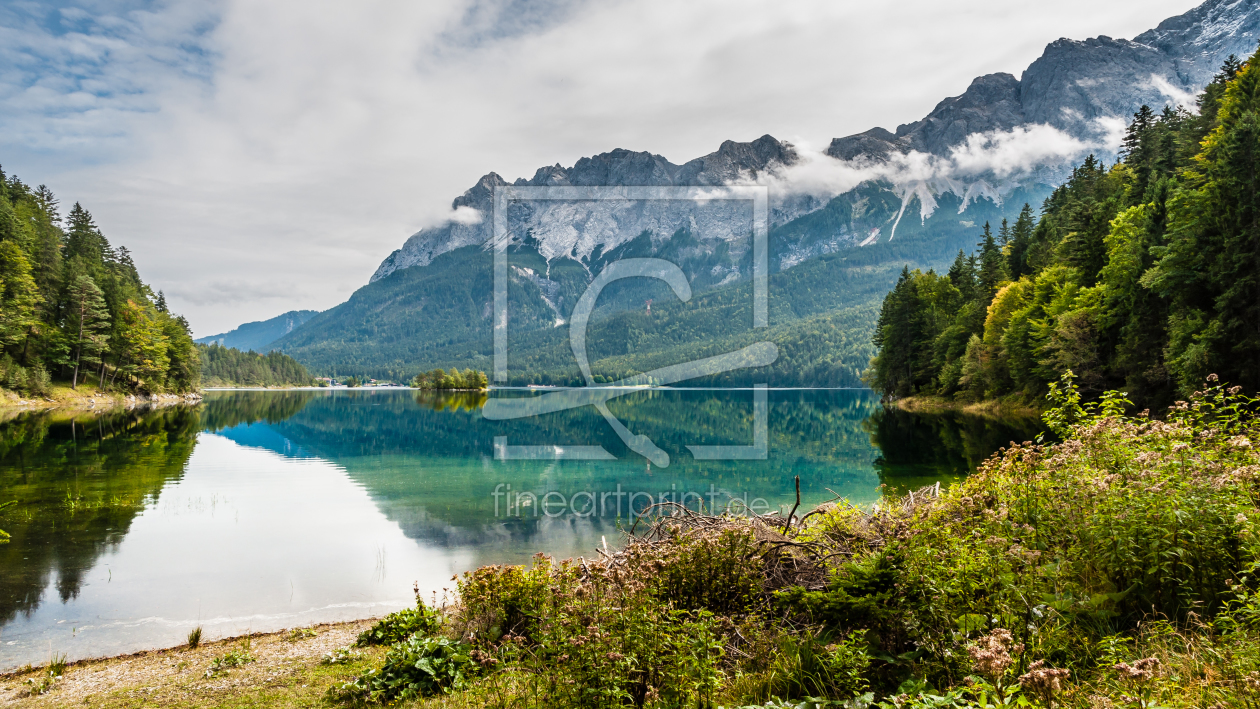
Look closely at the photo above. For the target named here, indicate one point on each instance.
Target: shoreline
(286, 671)
(88, 399)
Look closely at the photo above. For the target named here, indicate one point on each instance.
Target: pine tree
(48, 203)
(88, 318)
(18, 295)
(1138, 150)
(992, 267)
(83, 238)
(963, 275)
(141, 346)
(1021, 242)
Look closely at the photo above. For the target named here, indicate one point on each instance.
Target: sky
(259, 157)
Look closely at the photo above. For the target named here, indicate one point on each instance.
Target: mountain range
(842, 225)
(257, 335)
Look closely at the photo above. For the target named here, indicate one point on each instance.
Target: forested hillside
(227, 366)
(1143, 276)
(73, 307)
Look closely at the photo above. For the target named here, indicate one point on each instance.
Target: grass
(194, 638)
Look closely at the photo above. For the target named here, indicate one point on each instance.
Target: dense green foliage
(400, 625)
(1143, 276)
(454, 379)
(419, 666)
(1115, 568)
(74, 306)
(227, 366)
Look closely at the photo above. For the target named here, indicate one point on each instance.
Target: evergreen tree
(993, 270)
(84, 239)
(89, 319)
(18, 295)
(1020, 242)
(48, 203)
(141, 346)
(963, 275)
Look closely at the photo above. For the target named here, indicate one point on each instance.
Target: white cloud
(1184, 99)
(1011, 154)
(465, 215)
(292, 145)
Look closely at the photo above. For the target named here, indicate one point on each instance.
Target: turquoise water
(256, 511)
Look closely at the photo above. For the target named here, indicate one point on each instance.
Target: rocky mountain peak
(479, 195)
(1074, 83)
(732, 161)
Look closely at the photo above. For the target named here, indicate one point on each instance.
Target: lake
(255, 511)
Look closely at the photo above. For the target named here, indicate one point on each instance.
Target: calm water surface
(264, 510)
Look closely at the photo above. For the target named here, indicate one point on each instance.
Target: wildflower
(991, 653)
(1240, 518)
(1043, 681)
(1139, 671)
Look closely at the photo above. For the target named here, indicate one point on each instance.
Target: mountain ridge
(258, 334)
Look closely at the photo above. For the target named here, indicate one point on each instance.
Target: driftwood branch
(792, 514)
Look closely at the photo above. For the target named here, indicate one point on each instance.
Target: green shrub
(716, 571)
(859, 594)
(639, 653)
(400, 625)
(416, 667)
(510, 600)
